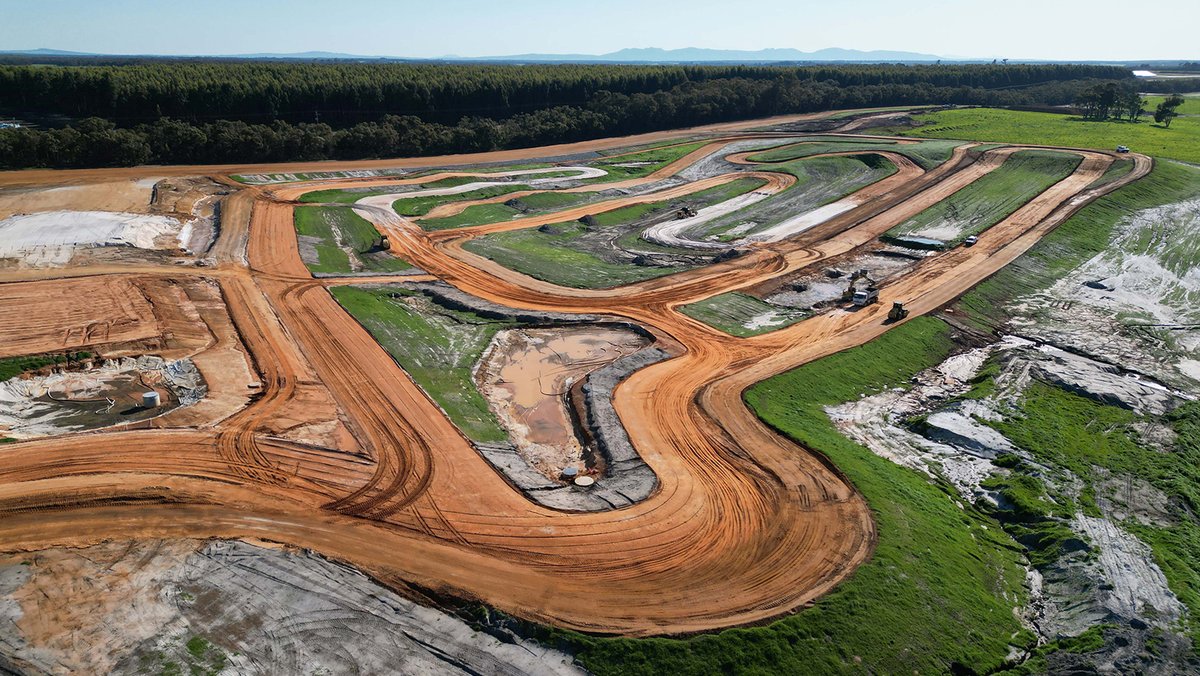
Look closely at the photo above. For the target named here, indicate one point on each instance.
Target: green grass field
(436, 346)
(731, 312)
(993, 197)
(1180, 142)
(558, 257)
(358, 239)
(1191, 104)
(939, 570)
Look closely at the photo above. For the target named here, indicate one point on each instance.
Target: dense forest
(212, 112)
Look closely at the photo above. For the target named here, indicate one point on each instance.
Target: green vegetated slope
(819, 181)
(734, 313)
(528, 205)
(1097, 442)
(419, 206)
(558, 254)
(647, 161)
(940, 589)
(1080, 237)
(358, 238)
(1181, 141)
(342, 195)
(436, 346)
(993, 197)
(11, 367)
(1114, 172)
(928, 154)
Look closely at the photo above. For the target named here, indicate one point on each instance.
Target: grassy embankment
(559, 256)
(1180, 142)
(358, 239)
(1081, 237)
(528, 205)
(1064, 430)
(928, 154)
(819, 181)
(939, 570)
(648, 161)
(993, 197)
(436, 346)
(1067, 431)
(732, 312)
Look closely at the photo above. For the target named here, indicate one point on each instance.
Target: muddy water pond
(109, 394)
(526, 375)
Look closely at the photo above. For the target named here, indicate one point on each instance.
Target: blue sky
(1040, 29)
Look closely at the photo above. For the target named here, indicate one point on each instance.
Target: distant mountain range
(642, 55)
(695, 54)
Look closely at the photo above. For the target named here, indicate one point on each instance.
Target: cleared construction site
(513, 378)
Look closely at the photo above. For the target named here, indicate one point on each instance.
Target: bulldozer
(383, 244)
(685, 212)
(897, 312)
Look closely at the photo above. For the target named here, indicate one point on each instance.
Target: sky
(1017, 29)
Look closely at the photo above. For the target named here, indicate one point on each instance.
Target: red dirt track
(745, 524)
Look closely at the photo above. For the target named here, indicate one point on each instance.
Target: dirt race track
(744, 525)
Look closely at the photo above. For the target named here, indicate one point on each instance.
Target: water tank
(570, 473)
(584, 481)
(150, 400)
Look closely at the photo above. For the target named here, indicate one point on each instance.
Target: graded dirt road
(745, 525)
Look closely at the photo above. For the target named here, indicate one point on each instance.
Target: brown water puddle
(525, 376)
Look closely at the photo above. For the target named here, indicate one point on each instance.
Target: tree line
(344, 94)
(613, 100)
(1124, 102)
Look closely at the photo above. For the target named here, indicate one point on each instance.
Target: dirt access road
(744, 526)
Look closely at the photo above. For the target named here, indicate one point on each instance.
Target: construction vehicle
(383, 244)
(685, 212)
(864, 297)
(897, 312)
(862, 290)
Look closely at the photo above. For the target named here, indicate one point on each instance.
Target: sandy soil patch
(50, 316)
(130, 196)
